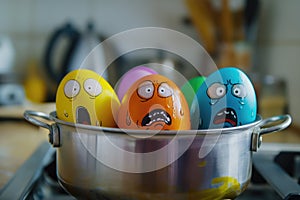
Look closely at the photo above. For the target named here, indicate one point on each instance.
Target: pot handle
(258, 131)
(32, 117)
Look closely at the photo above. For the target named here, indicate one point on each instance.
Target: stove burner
(290, 162)
(47, 187)
(279, 171)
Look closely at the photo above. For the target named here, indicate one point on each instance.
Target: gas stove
(275, 175)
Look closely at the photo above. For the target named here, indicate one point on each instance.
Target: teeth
(219, 114)
(232, 113)
(165, 119)
(226, 113)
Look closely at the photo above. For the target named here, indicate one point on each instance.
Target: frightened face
(226, 99)
(84, 97)
(154, 102)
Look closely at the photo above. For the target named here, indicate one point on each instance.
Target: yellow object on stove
(34, 85)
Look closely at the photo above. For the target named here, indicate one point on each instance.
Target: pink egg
(131, 77)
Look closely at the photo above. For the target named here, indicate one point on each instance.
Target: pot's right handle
(258, 131)
(34, 116)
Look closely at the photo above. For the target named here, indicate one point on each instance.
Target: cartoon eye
(71, 88)
(239, 90)
(92, 87)
(146, 90)
(164, 90)
(216, 91)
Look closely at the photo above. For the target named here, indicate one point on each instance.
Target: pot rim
(155, 133)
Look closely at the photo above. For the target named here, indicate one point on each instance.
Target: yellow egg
(85, 97)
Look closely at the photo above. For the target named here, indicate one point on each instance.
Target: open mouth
(82, 116)
(157, 116)
(226, 115)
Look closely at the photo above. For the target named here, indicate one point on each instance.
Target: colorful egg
(85, 97)
(156, 103)
(190, 88)
(130, 77)
(226, 99)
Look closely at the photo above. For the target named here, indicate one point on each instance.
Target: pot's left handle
(283, 122)
(34, 118)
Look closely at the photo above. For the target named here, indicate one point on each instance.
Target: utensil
(7, 55)
(111, 163)
(67, 49)
(11, 90)
(202, 16)
(57, 62)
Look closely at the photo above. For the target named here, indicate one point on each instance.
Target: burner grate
(279, 171)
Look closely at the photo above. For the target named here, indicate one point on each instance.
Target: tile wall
(30, 22)
(279, 47)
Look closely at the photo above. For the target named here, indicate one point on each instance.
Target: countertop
(19, 139)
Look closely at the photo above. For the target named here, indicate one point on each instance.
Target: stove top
(275, 175)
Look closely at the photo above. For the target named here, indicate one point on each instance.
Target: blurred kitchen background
(260, 36)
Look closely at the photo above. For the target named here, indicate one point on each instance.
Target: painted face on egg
(130, 77)
(154, 102)
(226, 99)
(84, 97)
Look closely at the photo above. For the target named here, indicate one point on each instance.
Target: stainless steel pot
(110, 163)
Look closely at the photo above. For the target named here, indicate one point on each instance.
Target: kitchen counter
(19, 139)
(289, 135)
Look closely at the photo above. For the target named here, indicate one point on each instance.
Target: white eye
(92, 87)
(216, 91)
(146, 90)
(239, 90)
(164, 90)
(71, 88)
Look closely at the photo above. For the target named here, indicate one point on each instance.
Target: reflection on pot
(222, 188)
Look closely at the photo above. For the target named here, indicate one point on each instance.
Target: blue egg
(226, 99)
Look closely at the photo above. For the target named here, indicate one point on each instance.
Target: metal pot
(111, 163)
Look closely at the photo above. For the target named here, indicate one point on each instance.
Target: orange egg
(156, 103)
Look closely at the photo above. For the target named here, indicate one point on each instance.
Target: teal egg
(226, 99)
